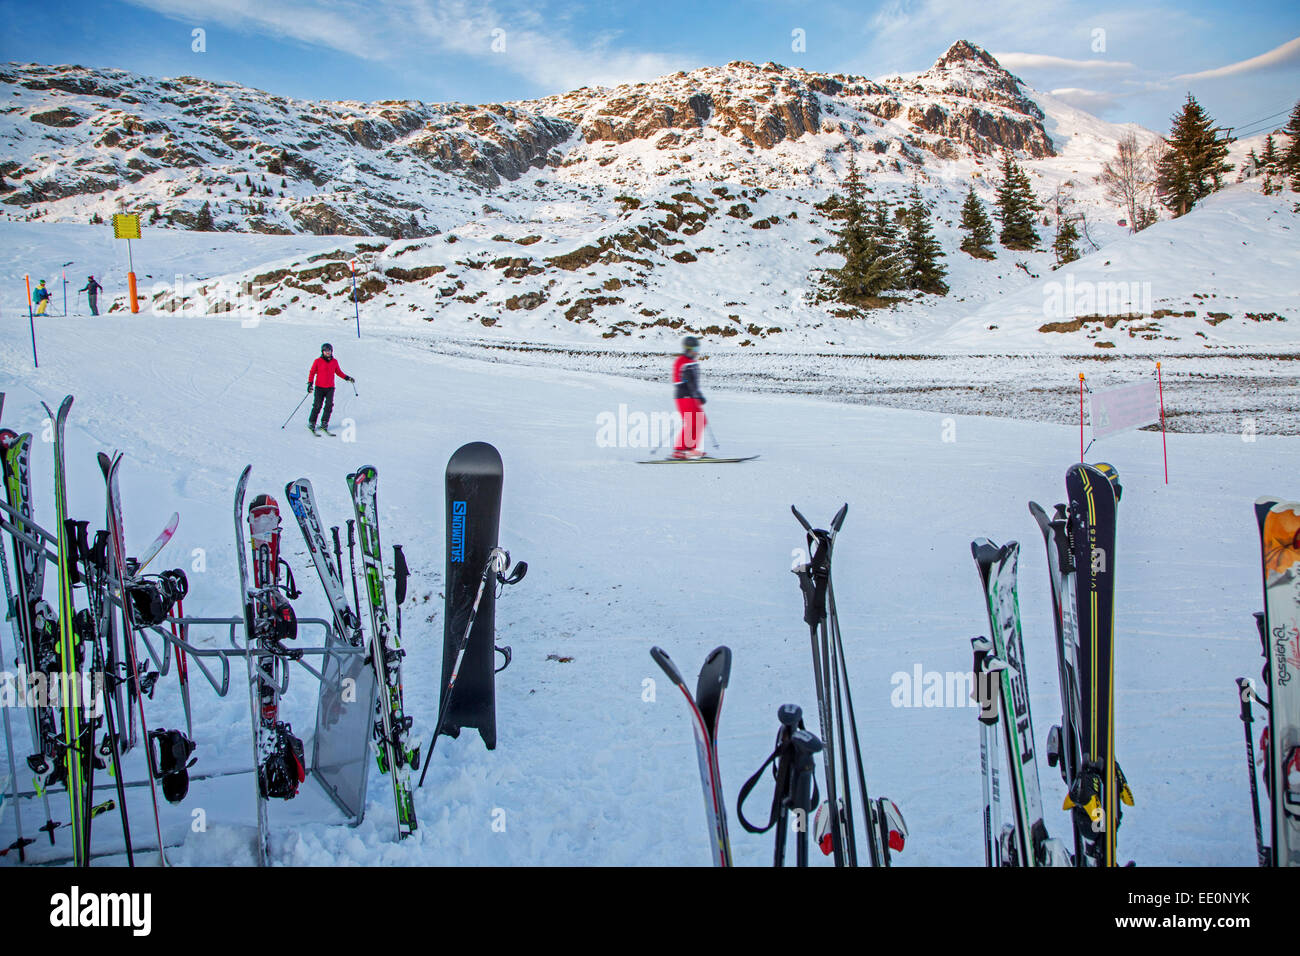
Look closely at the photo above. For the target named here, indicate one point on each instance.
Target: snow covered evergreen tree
(923, 271)
(1195, 163)
(1016, 207)
(979, 231)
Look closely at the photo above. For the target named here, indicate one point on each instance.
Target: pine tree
(1016, 207)
(1067, 234)
(1195, 163)
(870, 267)
(978, 228)
(1269, 159)
(921, 251)
(1291, 159)
(203, 221)
(248, 182)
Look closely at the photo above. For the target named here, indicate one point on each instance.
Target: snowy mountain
(610, 215)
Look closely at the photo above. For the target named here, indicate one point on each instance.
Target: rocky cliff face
(85, 142)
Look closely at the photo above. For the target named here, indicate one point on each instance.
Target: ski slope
(595, 763)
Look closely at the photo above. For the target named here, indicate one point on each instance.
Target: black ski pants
(322, 402)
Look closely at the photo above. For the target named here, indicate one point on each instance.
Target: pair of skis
(1079, 538)
(706, 710)
(269, 621)
(1279, 630)
(1003, 693)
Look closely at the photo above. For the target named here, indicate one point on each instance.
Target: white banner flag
(1119, 409)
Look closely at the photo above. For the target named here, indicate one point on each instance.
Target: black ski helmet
(690, 344)
(326, 345)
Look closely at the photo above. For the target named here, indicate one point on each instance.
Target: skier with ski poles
(322, 375)
(92, 288)
(41, 297)
(690, 401)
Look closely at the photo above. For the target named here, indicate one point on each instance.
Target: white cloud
(338, 26)
(1043, 61)
(1286, 54)
(1095, 102)
(536, 46)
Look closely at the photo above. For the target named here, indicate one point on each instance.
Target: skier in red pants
(322, 374)
(690, 401)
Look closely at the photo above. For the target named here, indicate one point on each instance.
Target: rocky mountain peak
(965, 52)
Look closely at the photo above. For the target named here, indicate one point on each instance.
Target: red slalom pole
(1080, 417)
(1160, 387)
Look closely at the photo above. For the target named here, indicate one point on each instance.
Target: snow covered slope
(596, 215)
(589, 768)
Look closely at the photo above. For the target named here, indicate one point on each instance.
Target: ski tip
(802, 520)
(666, 663)
(719, 659)
(838, 520)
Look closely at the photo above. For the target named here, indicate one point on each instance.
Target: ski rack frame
(15, 524)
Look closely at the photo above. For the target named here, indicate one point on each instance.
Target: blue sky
(1242, 61)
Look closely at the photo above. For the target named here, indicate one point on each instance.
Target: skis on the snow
(75, 744)
(706, 708)
(1098, 788)
(986, 668)
(269, 621)
(997, 567)
(1063, 739)
(393, 752)
(117, 562)
(302, 502)
(1280, 552)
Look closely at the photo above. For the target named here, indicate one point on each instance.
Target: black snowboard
(474, 476)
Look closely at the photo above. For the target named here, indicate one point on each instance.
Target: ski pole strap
(749, 785)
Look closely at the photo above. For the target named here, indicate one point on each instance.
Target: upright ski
(392, 726)
(75, 744)
(997, 568)
(1280, 549)
(1099, 787)
(1063, 739)
(117, 569)
(269, 620)
(706, 709)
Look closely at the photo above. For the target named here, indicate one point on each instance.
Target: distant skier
(41, 297)
(690, 401)
(322, 374)
(91, 288)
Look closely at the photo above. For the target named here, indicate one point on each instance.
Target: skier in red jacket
(690, 401)
(322, 374)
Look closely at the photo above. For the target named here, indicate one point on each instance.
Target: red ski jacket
(323, 372)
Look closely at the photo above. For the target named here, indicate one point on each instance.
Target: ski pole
(295, 410)
(709, 428)
(1246, 694)
(400, 573)
(182, 666)
(498, 560)
(352, 565)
